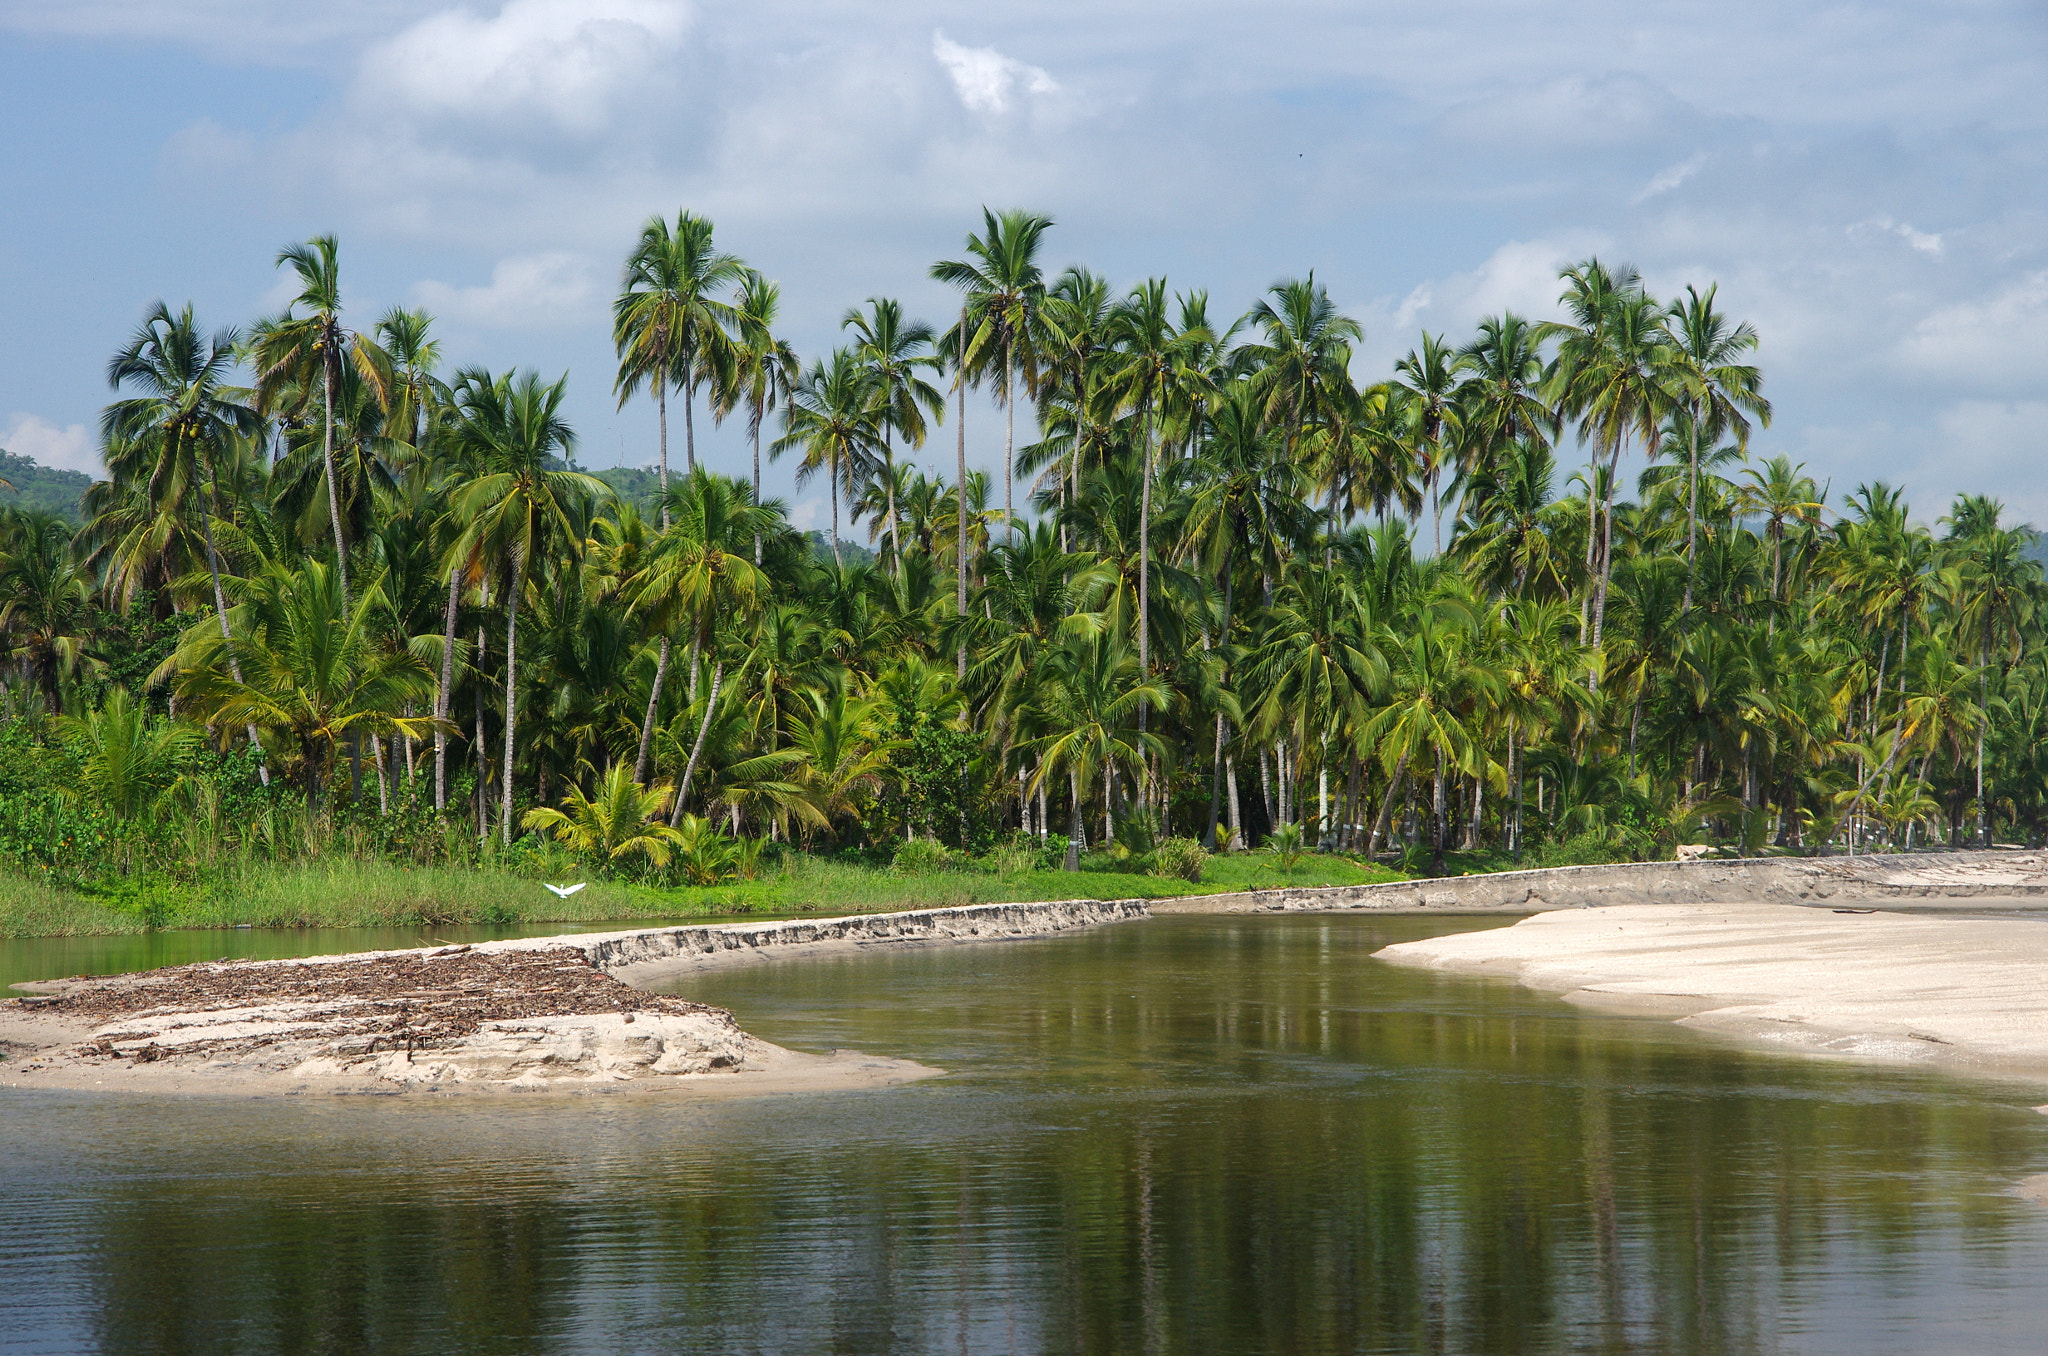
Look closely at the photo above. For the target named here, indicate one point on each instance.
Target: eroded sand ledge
(523, 1015)
(1965, 992)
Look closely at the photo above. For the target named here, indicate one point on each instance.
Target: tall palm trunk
(327, 459)
(835, 509)
(889, 481)
(697, 749)
(1436, 814)
(220, 610)
(960, 494)
(444, 693)
(661, 404)
(512, 578)
(640, 768)
(1386, 814)
(1692, 517)
(1074, 828)
(1009, 437)
(1215, 787)
(760, 413)
(690, 414)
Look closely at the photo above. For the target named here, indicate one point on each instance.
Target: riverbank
(1857, 984)
(520, 1015)
(349, 893)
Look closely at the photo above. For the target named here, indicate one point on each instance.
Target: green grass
(349, 893)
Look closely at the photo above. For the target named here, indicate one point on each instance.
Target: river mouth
(1199, 1134)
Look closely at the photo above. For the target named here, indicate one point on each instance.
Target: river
(1186, 1134)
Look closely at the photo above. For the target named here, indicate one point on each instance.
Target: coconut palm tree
(1720, 395)
(834, 419)
(313, 670)
(765, 367)
(622, 820)
(669, 323)
(1005, 324)
(1426, 387)
(1300, 363)
(45, 600)
(1085, 721)
(895, 353)
(699, 574)
(516, 509)
(297, 354)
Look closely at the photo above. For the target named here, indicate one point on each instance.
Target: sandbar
(1854, 984)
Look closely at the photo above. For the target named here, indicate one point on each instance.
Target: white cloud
(984, 78)
(568, 63)
(525, 293)
(1919, 240)
(67, 448)
(1671, 177)
(1994, 341)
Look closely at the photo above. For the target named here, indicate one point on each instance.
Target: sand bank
(1965, 992)
(523, 1015)
(1986, 880)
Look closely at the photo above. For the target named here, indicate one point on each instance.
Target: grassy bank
(349, 893)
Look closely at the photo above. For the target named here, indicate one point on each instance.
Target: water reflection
(1184, 1135)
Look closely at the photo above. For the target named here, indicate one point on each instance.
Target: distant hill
(41, 487)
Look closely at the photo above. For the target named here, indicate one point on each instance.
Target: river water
(1188, 1134)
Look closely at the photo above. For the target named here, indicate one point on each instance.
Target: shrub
(1182, 857)
(921, 856)
(1286, 845)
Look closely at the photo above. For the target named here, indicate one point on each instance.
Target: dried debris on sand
(543, 1018)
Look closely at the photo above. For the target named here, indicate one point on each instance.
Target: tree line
(1231, 590)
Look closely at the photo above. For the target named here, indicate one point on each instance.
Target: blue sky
(1866, 182)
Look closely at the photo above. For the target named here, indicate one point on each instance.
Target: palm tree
(1157, 371)
(622, 820)
(45, 599)
(128, 761)
(1085, 713)
(1719, 393)
(1300, 366)
(313, 670)
(415, 399)
(668, 324)
(698, 576)
(833, 418)
(293, 353)
(1005, 321)
(894, 353)
(1427, 386)
(1615, 373)
(1429, 715)
(184, 422)
(765, 367)
(516, 508)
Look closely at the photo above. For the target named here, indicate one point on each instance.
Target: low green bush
(1181, 857)
(920, 856)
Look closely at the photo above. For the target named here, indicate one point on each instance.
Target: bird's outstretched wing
(566, 890)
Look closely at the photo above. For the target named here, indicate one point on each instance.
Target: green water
(1181, 1135)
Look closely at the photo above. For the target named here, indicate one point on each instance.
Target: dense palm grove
(1225, 590)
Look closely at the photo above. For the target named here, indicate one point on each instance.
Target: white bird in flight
(566, 890)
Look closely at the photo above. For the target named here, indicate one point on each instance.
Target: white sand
(1967, 992)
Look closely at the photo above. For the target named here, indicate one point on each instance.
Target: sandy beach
(1966, 992)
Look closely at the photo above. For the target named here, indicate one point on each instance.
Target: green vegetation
(370, 892)
(29, 487)
(342, 626)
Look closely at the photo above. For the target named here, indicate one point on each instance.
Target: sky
(1865, 182)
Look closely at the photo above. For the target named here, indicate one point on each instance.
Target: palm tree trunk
(697, 749)
(960, 494)
(483, 753)
(1009, 439)
(327, 459)
(689, 416)
(661, 404)
(1074, 827)
(1215, 787)
(1436, 814)
(1236, 843)
(1386, 814)
(835, 510)
(444, 693)
(220, 610)
(640, 768)
(512, 577)
(760, 412)
(889, 478)
(1692, 515)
